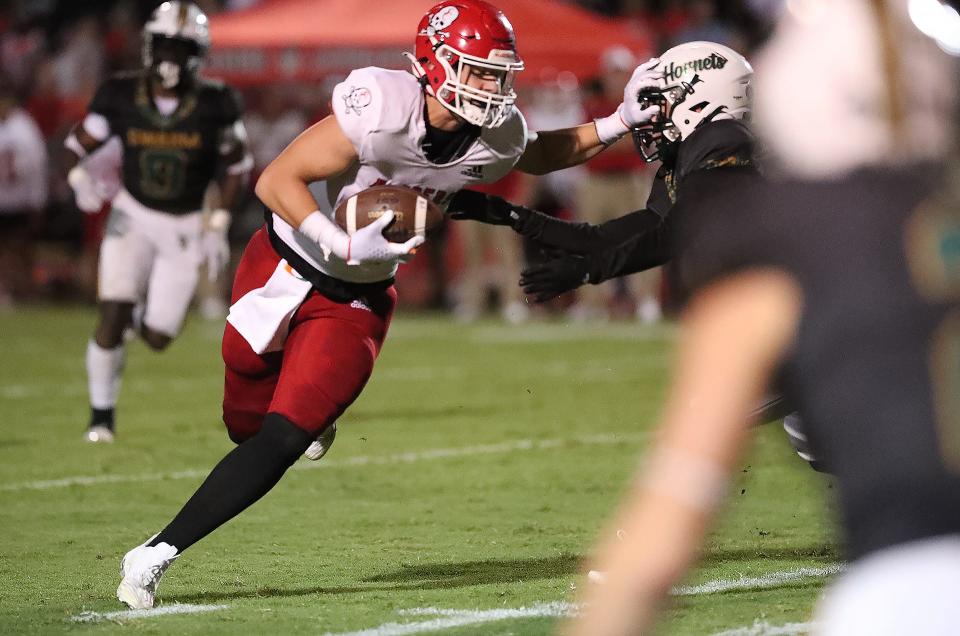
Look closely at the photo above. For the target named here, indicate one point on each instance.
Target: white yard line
(165, 610)
(774, 579)
(451, 618)
(459, 618)
(448, 618)
(521, 445)
(766, 629)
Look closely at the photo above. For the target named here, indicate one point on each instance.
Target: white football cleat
(319, 447)
(141, 569)
(98, 435)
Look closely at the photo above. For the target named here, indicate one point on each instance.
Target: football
(414, 214)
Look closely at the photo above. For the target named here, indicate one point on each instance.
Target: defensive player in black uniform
(704, 148)
(179, 132)
(704, 98)
(847, 276)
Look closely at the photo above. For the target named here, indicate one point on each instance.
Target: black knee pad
(283, 436)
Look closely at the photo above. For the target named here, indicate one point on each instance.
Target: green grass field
(468, 480)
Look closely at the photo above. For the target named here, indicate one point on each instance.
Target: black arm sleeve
(648, 249)
(586, 238)
(708, 204)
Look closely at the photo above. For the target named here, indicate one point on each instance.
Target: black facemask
(173, 61)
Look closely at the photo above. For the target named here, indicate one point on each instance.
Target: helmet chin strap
(169, 74)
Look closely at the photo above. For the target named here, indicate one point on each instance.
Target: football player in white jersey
(312, 304)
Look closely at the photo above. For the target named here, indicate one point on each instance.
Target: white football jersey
(382, 113)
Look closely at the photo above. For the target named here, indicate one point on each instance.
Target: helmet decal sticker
(442, 19)
(674, 72)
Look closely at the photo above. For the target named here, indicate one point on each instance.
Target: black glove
(470, 205)
(553, 277)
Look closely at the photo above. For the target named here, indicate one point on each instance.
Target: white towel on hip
(262, 316)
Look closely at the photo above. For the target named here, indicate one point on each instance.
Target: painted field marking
(766, 629)
(451, 618)
(521, 445)
(166, 610)
(459, 618)
(774, 579)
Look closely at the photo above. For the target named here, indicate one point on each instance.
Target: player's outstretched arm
(648, 247)
(558, 149)
(545, 230)
(733, 334)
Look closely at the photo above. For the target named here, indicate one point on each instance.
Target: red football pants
(326, 360)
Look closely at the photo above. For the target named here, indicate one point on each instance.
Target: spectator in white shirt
(23, 193)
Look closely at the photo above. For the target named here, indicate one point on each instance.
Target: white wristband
(72, 143)
(219, 220)
(611, 128)
(324, 232)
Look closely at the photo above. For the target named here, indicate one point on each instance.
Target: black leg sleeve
(246, 474)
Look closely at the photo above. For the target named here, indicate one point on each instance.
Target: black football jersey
(876, 365)
(168, 161)
(724, 143)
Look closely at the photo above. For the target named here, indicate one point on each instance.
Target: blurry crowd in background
(54, 54)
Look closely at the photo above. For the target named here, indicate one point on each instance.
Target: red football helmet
(454, 38)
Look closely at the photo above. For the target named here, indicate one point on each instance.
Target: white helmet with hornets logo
(702, 82)
(175, 40)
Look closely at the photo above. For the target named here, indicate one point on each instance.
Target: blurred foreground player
(847, 273)
(179, 132)
(312, 304)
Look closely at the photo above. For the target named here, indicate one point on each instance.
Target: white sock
(104, 370)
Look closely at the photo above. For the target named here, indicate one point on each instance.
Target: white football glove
(366, 245)
(630, 113)
(369, 245)
(88, 192)
(214, 246)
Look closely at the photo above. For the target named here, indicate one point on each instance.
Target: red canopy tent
(305, 40)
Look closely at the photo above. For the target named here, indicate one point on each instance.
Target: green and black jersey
(168, 160)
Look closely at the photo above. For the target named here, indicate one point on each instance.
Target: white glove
(88, 193)
(630, 113)
(214, 246)
(366, 245)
